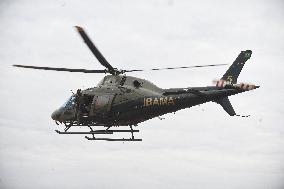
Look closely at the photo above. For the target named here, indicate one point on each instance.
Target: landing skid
(101, 132)
(114, 139)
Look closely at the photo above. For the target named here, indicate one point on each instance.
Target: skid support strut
(131, 131)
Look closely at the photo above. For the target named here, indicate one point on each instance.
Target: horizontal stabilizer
(227, 106)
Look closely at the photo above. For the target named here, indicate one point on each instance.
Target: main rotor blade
(172, 68)
(94, 49)
(62, 69)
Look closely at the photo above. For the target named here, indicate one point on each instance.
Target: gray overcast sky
(201, 147)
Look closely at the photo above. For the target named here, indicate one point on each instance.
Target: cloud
(200, 147)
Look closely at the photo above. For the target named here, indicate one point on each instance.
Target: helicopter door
(101, 105)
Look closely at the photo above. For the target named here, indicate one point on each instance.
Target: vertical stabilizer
(235, 69)
(227, 106)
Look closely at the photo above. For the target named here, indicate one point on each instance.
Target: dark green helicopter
(120, 100)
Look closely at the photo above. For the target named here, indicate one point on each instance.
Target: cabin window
(136, 84)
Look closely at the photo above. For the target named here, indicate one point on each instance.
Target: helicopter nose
(56, 115)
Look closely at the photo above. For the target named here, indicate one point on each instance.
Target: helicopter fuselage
(126, 100)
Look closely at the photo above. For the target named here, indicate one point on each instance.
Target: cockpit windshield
(70, 102)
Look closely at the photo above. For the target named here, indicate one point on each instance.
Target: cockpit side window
(70, 102)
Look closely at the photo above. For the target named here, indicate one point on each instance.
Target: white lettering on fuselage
(162, 101)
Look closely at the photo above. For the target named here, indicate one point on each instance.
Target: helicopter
(119, 100)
